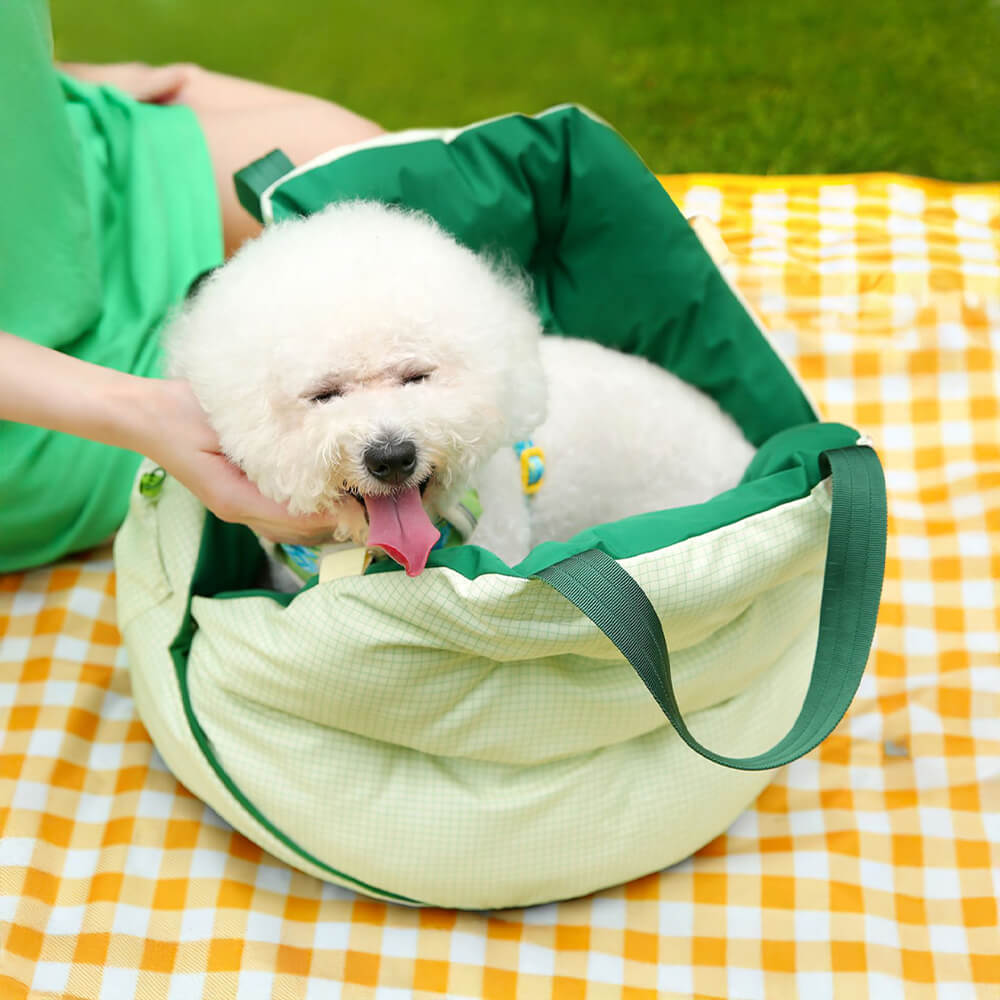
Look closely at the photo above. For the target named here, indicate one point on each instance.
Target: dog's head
(362, 361)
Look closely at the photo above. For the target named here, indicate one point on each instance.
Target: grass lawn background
(774, 86)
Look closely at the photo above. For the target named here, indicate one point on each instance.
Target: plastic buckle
(151, 483)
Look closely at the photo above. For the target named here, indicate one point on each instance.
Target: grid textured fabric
(866, 869)
(444, 739)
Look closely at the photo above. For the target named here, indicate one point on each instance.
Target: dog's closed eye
(416, 377)
(326, 394)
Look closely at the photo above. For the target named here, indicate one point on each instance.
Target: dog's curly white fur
(365, 324)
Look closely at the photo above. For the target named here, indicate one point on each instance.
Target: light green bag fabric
(490, 736)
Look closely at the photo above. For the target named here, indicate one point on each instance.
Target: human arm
(159, 418)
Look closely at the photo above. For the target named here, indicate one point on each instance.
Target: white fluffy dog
(362, 361)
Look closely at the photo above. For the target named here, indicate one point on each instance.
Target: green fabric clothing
(110, 212)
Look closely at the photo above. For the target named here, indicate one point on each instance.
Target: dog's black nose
(391, 461)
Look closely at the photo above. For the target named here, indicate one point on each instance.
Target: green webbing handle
(253, 180)
(852, 586)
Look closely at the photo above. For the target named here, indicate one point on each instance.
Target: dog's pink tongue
(399, 524)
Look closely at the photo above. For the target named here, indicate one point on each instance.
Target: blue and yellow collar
(532, 465)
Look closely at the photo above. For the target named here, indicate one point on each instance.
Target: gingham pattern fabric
(867, 869)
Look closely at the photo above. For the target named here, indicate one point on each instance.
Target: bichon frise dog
(362, 361)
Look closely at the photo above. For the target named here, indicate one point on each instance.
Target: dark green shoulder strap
(852, 587)
(255, 178)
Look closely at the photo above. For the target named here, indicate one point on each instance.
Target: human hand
(176, 434)
(152, 84)
(159, 418)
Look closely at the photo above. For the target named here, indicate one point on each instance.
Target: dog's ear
(528, 405)
(525, 386)
(527, 392)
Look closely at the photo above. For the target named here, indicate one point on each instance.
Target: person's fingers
(276, 534)
(152, 84)
(181, 439)
(235, 498)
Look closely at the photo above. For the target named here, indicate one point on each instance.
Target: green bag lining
(563, 196)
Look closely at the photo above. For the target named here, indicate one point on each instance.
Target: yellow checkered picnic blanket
(868, 869)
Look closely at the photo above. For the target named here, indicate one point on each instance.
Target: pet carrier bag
(489, 736)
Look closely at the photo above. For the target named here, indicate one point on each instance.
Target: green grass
(769, 86)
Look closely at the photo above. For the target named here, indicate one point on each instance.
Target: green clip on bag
(490, 736)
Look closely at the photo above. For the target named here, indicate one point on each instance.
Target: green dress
(110, 211)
